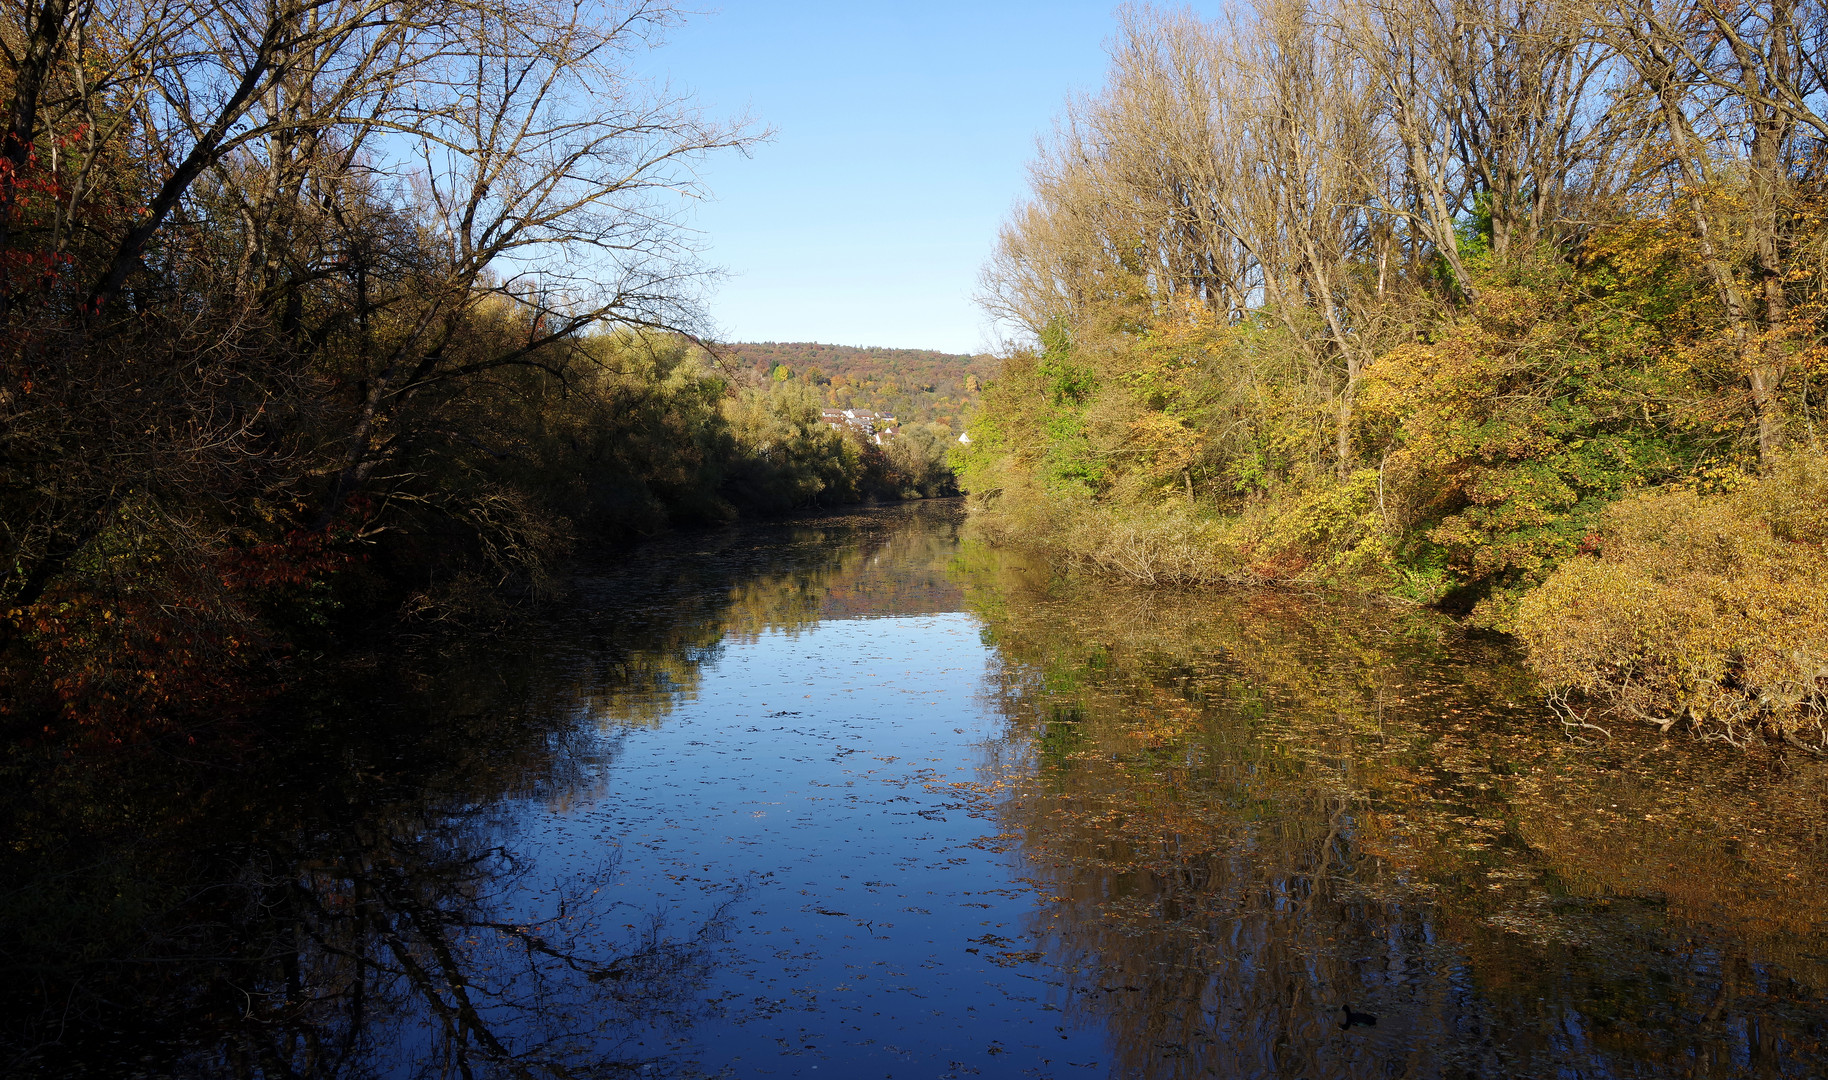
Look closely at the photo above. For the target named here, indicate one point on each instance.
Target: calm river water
(849, 797)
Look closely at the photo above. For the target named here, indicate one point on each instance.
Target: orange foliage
(169, 646)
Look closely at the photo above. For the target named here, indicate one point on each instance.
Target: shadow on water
(1233, 834)
(345, 894)
(1287, 836)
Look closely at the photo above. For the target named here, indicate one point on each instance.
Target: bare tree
(261, 241)
(549, 191)
(1242, 167)
(1130, 207)
(1740, 94)
(1305, 207)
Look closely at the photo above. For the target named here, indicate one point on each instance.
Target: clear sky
(903, 131)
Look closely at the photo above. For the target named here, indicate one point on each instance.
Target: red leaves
(301, 558)
(168, 645)
(123, 665)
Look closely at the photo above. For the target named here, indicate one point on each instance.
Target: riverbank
(1270, 322)
(1707, 612)
(150, 633)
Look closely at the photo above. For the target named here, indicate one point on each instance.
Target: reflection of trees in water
(1254, 811)
(672, 614)
(419, 955)
(341, 897)
(1217, 922)
(342, 914)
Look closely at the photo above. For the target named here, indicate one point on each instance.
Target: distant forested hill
(913, 384)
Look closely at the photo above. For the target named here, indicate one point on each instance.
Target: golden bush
(1709, 611)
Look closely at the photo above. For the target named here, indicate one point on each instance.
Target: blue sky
(902, 136)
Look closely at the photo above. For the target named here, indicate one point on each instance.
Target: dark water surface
(847, 797)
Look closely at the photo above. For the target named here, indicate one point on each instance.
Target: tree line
(327, 313)
(1452, 301)
(912, 384)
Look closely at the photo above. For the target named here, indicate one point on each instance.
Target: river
(851, 796)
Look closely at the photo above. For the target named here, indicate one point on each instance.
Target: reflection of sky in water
(1136, 837)
(844, 798)
(869, 937)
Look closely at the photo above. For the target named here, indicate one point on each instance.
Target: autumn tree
(1739, 97)
(260, 263)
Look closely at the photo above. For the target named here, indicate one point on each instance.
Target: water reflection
(1258, 818)
(651, 626)
(352, 892)
(347, 915)
(761, 801)
(416, 956)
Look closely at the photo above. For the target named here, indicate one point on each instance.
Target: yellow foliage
(1325, 534)
(1705, 610)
